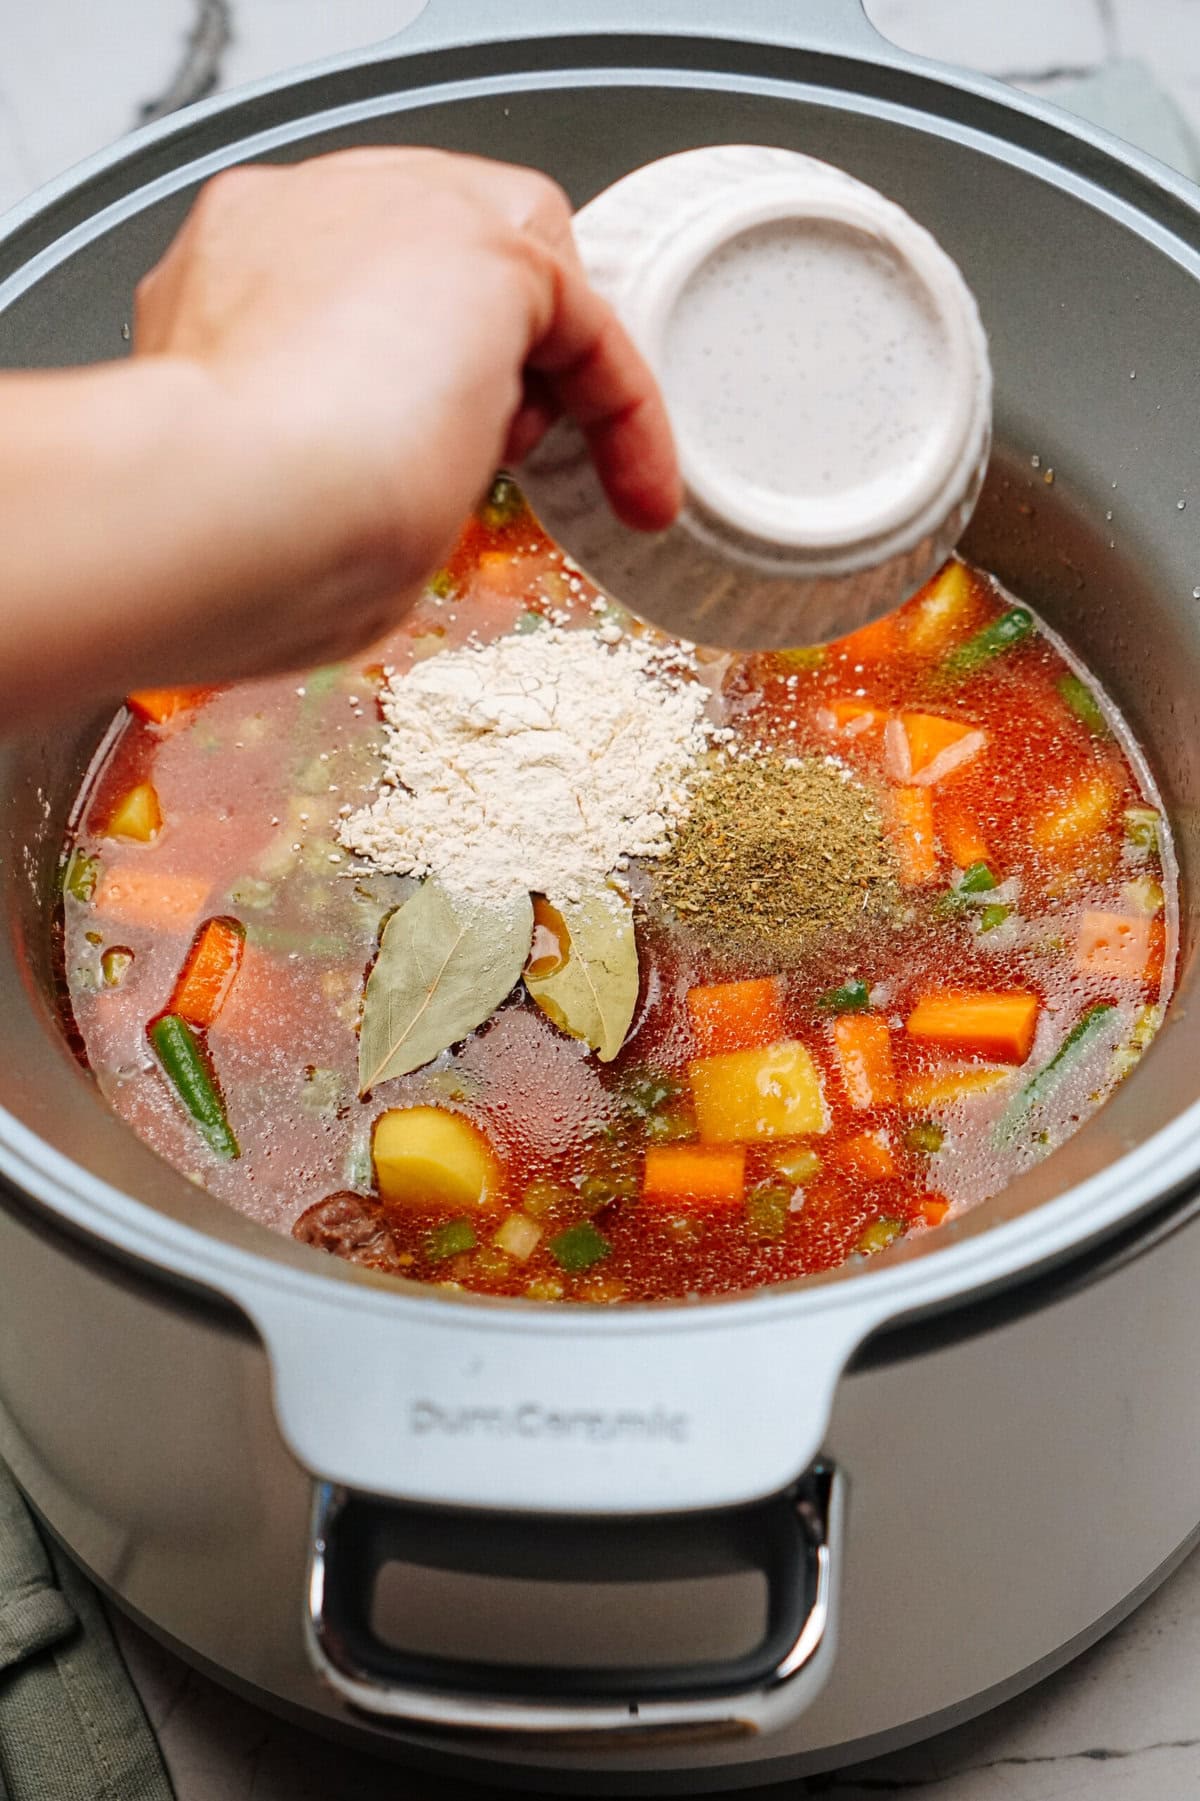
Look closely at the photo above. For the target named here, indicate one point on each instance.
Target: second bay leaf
(443, 968)
(592, 994)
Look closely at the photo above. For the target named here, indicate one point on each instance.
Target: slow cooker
(673, 1547)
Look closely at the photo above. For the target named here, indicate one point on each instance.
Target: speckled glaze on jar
(827, 377)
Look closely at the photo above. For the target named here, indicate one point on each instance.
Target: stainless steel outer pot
(673, 1546)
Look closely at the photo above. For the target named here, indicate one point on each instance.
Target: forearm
(137, 517)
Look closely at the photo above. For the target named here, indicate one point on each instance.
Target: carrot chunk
(148, 897)
(1000, 1026)
(849, 718)
(1115, 944)
(872, 643)
(924, 748)
(959, 832)
(869, 1154)
(911, 831)
(160, 704)
(694, 1172)
(208, 974)
(864, 1049)
(736, 1016)
(932, 1210)
(942, 1087)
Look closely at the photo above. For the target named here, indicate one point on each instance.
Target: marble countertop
(1123, 1722)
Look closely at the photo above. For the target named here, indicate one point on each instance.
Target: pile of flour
(541, 762)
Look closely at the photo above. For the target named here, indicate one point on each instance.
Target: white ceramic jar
(827, 378)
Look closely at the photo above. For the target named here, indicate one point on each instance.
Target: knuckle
(229, 187)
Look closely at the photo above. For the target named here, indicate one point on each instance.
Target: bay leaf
(443, 968)
(593, 993)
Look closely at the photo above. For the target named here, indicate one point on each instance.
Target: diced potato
(770, 1093)
(518, 1236)
(136, 815)
(943, 610)
(424, 1156)
(1078, 818)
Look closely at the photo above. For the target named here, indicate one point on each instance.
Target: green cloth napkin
(71, 1726)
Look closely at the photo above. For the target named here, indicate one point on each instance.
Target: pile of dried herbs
(774, 853)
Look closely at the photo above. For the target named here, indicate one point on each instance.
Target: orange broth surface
(248, 786)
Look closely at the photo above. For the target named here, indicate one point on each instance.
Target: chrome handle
(792, 1540)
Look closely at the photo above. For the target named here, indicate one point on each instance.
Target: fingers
(582, 362)
(596, 373)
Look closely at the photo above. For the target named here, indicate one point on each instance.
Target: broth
(783, 1099)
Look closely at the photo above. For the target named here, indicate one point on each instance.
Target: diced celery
(879, 1236)
(851, 997)
(797, 1165)
(450, 1239)
(115, 965)
(978, 879)
(504, 504)
(251, 891)
(579, 1247)
(767, 1211)
(596, 1190)
(543, 1196)
(993, 916)
(1142, 828)
(924, 1136)
(322, 1092)
(320, 681)
(518, 1236)
(804, 656)
(1144, 896)
(1144, 1027)
(80, 875)
(672, 1125)
(544, 1288)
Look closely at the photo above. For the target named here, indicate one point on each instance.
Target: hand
(362, 339)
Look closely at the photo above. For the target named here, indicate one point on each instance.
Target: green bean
(1079, 699)
(186, 1068)
(1001, 635)
(1069, 1054)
